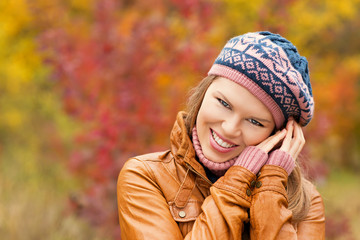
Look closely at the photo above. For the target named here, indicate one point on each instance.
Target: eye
(222, 102)
(256, 123)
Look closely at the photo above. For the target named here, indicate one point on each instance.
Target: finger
(295, 153)
(298, 141)
(301, 133)
(269, 143)
(277, 136)
(289, 135)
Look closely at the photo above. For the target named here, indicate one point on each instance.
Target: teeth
(220, 141)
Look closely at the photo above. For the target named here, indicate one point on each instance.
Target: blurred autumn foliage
(89, 83)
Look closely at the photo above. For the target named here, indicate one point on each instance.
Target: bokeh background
(84, 84)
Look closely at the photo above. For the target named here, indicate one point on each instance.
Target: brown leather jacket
(168, 196)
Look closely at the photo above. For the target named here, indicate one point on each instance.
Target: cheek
(205, 120)
(206, 115)
(252, 138)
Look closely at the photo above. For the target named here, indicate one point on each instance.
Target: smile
(221, 142)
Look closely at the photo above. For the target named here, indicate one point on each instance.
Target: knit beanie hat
(270, 67)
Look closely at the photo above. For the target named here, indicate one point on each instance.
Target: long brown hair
(297, 187)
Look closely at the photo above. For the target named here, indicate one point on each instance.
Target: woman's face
(231, 118)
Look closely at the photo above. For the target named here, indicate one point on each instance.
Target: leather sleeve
(144, 212)
(314, 224)
(270, 217)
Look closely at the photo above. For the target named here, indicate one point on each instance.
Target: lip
(219, 148)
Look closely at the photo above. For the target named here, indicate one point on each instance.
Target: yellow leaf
(12, 118)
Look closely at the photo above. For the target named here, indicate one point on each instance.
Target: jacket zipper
(197, 173)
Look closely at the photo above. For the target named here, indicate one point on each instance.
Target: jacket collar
(182, 147)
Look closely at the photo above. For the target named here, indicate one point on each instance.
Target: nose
(232, 127)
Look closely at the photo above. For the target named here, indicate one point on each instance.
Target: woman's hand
(292, 139)
(271, 142)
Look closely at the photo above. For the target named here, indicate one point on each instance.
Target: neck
(218, 169)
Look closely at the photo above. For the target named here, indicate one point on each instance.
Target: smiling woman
(231, 171)
(225, 125)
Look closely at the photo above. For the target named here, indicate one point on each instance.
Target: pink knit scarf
(218, 169)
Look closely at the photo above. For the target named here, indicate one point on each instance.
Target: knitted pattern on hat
(218, 169)
(270, 67)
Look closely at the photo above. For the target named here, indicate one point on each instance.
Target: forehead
(230, 87)
(237, 95)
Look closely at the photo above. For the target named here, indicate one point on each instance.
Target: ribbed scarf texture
(218, 169)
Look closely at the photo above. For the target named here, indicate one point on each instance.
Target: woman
(231, 171)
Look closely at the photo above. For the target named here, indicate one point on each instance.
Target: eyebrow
(261, 119)
(223, 96)
(256, 118)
